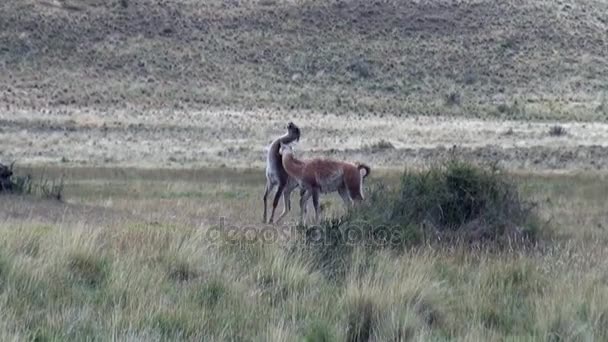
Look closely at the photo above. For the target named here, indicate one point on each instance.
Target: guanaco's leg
(275, 202)
(269, 187)
(287, 199)
(304, 196)
(345, 197)
(315, 203)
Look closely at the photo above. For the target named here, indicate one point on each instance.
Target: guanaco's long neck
(293, 166)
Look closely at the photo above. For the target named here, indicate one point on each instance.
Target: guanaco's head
(293, 130)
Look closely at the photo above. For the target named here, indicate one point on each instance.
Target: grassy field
(135, 255)
(156, 115)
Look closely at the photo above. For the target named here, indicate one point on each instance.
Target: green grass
(166, 279)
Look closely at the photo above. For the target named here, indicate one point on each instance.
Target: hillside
(507, 59)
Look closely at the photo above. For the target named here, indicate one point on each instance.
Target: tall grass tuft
(88, 269)
(361, 320)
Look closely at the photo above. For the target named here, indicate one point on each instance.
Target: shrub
(181, 271)
(452, 99)
(382, 145)
(557, 131)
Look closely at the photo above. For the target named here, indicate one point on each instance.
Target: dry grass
(144, 268)
(134, 254)
(509, 59)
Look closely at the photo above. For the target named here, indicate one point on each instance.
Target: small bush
(181, 272)
(557, 131)
(382, 145)
(512, 110)
(452, 99)
(503, 108)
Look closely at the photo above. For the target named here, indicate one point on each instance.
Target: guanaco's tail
(364, 167)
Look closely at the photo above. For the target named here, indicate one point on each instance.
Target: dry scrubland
(128, 257)
(192, 84)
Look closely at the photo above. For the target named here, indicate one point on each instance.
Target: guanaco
(317, 176)
(276, 175)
